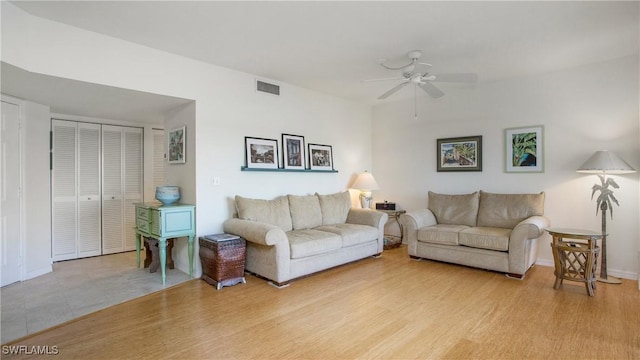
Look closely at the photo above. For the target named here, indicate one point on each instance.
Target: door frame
(21, 161)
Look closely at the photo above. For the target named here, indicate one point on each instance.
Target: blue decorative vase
(167, 195)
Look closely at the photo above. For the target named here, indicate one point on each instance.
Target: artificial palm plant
(602, 163)
(603, 202)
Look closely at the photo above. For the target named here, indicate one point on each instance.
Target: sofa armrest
(411, 223)
(377, 219)
(366, 217)
(257, 232)
(418, 219)
(522, 244)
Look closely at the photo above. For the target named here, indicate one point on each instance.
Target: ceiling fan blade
(462, 77)
(393, 90)
(382, 79)
(433, 91)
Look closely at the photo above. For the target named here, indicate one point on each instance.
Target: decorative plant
(606, 195)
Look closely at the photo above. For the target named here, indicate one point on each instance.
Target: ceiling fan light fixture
(410, 75)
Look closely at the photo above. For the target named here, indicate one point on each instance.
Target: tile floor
(76, 288)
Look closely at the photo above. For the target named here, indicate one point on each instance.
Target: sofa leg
(278, 285)
(515, 276)
(376, 256)
(416, 258)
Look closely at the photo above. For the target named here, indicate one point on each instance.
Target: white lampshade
(365, 182)
(605, 162)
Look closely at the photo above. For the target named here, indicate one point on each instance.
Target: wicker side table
(222, 257)
(575, 259)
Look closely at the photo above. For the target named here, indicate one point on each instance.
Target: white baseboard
(38, 272)
(543, 262)
(613, 272)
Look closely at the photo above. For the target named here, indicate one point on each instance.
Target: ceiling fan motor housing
(414, 54)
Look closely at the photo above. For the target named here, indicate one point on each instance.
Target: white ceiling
(331, 46)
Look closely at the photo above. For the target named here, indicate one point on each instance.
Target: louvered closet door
(89, 214)
(112, 190)
(132, 183)
(63, 190)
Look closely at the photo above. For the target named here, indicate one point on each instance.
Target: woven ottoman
(222, 257)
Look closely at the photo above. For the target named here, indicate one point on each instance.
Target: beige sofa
(293, 236)
(491, 231)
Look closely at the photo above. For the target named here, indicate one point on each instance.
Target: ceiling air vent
(267, 88)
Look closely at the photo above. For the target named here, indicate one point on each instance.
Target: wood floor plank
(386, 308)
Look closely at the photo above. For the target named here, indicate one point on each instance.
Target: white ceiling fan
(421, 79)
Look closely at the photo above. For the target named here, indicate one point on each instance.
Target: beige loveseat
(491, 231)
(293, 236)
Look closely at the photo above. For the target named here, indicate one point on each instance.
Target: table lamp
(365, 183)
(604, 163)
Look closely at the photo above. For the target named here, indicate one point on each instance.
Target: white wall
(226, 110)
(37, 230)
(583, 110)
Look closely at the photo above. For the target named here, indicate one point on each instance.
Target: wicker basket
(392, 242)
(223, 261)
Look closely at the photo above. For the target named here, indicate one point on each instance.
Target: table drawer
(142, 213)
(142, 225)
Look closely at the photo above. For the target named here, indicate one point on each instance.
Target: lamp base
(609, 280)
(365, 199)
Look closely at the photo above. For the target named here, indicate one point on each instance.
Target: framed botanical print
(523, 149)
(261, 153)
(293, 152)
(176, 142)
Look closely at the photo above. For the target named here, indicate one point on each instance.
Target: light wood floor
(387, 308)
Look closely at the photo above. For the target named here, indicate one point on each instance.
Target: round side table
(392, 242)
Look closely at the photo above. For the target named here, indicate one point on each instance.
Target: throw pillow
(335, 207)
(274, 212)
(454, 209)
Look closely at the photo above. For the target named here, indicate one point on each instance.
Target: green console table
(164, 222)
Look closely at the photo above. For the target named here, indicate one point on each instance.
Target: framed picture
(261, 153)
(176, 145)
(293, 152)
(523, 149)
(460, 154)
(320, 157)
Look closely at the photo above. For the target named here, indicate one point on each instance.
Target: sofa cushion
(305, 211)
(454, 209)
(352, 234)
(304, 243)
(335, 207)
(507, 210)
(274, 212)
(441, 234)
(485, 238)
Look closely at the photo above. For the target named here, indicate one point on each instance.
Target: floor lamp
(604, 163)
(365, 183)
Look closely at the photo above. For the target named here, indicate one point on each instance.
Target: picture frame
(261, 153)
(176, 144)
(320, 157)
(459, 154)
(293, 152)
(524, 149)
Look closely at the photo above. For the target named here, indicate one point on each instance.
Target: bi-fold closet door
(96, 178)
